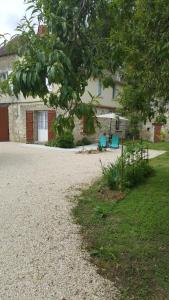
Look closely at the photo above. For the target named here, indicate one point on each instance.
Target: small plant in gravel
(100, 148)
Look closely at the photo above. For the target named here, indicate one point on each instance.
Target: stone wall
(150, 132)
(6, 62)
(147, 131)
(17, 119)
(17, 123)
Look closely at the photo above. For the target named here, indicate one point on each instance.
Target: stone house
(28, 120)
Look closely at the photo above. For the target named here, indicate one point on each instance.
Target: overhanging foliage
(63, 57)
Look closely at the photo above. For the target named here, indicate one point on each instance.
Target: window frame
(99, 88)
(117, 125)
(3, 78)
(114, 91)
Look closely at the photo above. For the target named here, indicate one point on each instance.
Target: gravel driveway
(40, 247)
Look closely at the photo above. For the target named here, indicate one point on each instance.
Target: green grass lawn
(159, 146)
(129, 239)
(155, 146)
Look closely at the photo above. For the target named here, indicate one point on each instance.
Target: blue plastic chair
(103, 141)
(115, 142)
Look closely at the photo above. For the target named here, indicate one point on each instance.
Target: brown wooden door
(4, 124)
(51, 118)
(29, 127)
(157, 133)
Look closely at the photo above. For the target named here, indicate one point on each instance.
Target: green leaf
(24, 77)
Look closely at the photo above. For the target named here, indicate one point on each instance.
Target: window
(42, 120)
(117, 123)
(99, 88)
(114, 91)
(3, 75)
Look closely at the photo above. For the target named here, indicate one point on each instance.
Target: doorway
(42, 126)
(4, 123)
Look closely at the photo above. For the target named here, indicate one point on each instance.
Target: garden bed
(128, 239)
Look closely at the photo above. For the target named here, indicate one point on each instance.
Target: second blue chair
(115, 142)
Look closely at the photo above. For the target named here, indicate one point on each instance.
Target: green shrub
(161, 119)
(112, 176)
(129, 170)
(137, 173)
(65, 140)
(84, 141)
(132, 174)
(52, 143)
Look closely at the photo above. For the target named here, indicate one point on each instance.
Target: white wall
(106, 97)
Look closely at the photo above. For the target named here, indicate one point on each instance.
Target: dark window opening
(117, 123)
(114, 91)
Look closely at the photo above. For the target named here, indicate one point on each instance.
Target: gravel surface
(40, 246)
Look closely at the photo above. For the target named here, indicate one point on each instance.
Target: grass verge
(128, 235)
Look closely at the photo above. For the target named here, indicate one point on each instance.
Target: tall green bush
(65, 140)
(131, 169)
